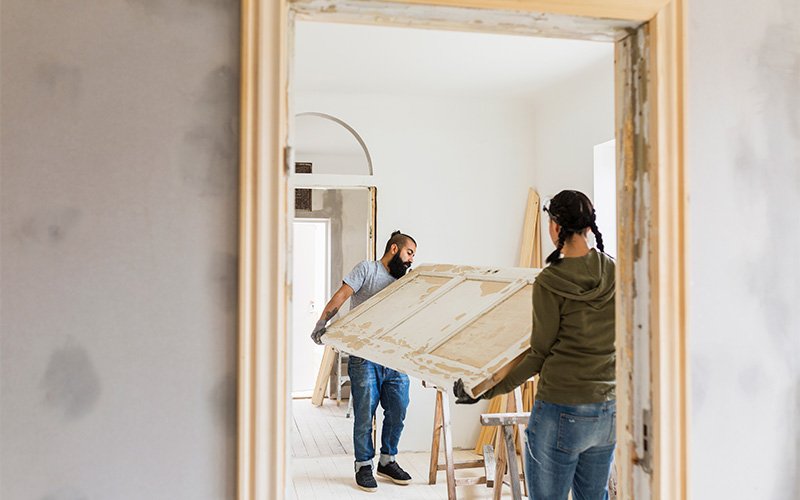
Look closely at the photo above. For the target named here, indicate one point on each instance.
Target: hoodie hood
(587, 279)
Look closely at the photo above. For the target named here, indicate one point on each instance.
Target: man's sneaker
(394, 472)
(365, 480)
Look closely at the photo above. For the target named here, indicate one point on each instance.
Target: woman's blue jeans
(570, 446)
(371, 383)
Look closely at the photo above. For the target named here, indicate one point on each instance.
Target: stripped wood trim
(461, 16)
(263, 389)
(642, 10)
(629, 154)
(670, 387)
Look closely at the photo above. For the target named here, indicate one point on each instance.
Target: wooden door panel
(414, 291)
(443, 322)
(490, 335)
(430, 323)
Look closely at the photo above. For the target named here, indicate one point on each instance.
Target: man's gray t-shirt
(366, 279)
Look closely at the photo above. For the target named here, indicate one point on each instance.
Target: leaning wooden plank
(531, 233)
(487, 434)
(323, 376)
(536, 261)
(530, 255)
(443, 322)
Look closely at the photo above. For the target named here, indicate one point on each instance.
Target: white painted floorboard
(322, 462)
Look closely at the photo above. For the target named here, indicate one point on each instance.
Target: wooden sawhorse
(509, 423)
(441, 431)
(494, 464)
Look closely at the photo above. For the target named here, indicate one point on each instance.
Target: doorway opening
(434, 115)
(311, 278)
(652, 383)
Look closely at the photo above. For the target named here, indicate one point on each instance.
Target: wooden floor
(320, 431)
(322, 461)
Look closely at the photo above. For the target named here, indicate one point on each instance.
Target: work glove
(462, 398)
(319, 331)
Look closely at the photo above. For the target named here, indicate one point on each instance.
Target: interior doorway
(434, 116)
(311, 278)
(649, 111)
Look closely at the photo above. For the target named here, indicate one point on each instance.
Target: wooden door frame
(651, 312)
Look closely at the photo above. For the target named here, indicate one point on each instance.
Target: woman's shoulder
(607, 260)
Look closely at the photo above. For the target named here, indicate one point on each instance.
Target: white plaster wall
(744, 266)
(118, 249)
(454, 174)
(571, 118)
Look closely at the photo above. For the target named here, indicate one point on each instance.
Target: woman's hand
(462, 398)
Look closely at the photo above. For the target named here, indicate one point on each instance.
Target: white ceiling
(388, 60)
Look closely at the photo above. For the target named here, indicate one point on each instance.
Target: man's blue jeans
(570, 447)
(371, 383)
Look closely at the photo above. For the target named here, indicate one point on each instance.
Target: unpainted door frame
(651, 287)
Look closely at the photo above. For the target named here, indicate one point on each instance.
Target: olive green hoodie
(572, 344)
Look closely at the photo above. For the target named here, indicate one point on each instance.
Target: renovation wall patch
(223, 403)
(210, 152)
(62, 82)
(51, 226)
(224, 275)
(177, 10)
(70, 384)
(66, 494)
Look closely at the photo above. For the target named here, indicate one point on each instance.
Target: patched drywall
(70, 385)
(744, 269)
(118, 249)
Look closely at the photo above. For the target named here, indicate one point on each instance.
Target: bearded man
(371, 383)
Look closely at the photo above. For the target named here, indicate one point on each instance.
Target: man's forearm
(319, 329)
(329, 312)
(333, 305)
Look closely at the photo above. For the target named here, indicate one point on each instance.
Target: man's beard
(398, 268)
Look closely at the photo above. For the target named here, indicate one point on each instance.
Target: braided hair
(573, 212)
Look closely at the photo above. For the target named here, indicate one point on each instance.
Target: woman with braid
(571, 433)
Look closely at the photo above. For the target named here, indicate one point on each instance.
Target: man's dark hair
(398, 239)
